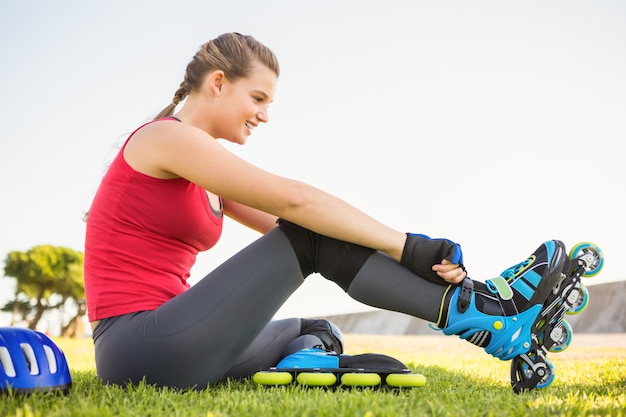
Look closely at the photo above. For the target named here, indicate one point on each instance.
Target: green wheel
(405, 380)
(591, 254)
(562, 337)
(272, 378)
(316, 379)
(361, 379)
(581, 303)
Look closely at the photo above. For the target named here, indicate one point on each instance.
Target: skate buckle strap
(501, 286)
(465, 297)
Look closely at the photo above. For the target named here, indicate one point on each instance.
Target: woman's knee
(334, 259)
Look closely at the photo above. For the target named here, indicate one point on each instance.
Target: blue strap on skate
(310, 359)
(321, 360)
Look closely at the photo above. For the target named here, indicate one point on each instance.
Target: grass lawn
(461, 381)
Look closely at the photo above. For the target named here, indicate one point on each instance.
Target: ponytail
(179, 96)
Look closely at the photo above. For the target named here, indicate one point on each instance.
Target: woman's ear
(214, 82)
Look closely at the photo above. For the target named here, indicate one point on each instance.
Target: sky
(495, 124)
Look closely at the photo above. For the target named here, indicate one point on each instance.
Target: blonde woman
(163, 199)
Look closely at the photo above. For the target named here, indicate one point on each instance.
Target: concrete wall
(606, 313)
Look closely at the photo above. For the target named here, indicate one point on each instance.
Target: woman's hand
(421, 252)
(452, 273)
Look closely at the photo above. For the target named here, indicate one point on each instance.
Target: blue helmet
(30, 361)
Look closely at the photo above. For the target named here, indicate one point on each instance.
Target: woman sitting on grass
(162, 201)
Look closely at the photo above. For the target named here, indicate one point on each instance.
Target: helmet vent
(52, 360)
(31, 360)
(6, 363)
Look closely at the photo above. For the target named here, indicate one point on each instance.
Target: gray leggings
(221, 326)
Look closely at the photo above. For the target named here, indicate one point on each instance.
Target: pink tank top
(143, 235)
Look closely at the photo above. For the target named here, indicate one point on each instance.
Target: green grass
(461, 381)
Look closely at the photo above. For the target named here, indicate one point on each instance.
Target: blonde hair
(233, 53)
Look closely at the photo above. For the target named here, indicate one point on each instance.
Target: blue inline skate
(322, 368)
(316, 359)
(519, 315)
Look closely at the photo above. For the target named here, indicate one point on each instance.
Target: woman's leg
(267, 349)
(501, 315)
(368, 276)
(384, 283)
(195, 338)
(281, 338)
(208, 332)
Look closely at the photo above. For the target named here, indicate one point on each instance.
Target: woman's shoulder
(167, 148)
(151, 146)
(168, 128)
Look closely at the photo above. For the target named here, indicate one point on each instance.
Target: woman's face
(243, 104)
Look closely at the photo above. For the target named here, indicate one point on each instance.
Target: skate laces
(515, 270)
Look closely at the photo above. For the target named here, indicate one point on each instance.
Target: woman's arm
(255, 219)
(169, 149)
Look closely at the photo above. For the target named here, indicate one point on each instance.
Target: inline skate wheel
(581, 302)
(548, 378)
(591, 254)
(562, 337)
(405, 380)
(360, 379)
(316, 379)
(548, 374)
(272, 378)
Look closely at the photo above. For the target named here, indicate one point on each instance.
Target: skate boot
(504, 315)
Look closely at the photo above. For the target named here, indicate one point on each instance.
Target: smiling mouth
(248, 125)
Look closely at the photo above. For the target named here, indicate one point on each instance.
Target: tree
(49, 278)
